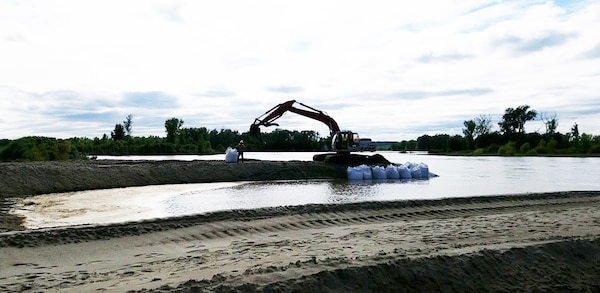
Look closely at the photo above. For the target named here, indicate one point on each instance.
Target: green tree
(575, 132)
(198, 137)
(469, 132)
(456, 143)
(128, 123)
(118, 133)
(551, 123)
(173, 127)
(483, 125)
(513, 121)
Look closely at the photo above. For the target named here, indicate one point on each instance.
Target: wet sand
(515, 243)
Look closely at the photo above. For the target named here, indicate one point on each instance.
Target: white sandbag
(424, 170)
(354, 173)
(379, 172)
(367, 173)
(391, 172)
(403, 172)
(231, 155)
(415, 172)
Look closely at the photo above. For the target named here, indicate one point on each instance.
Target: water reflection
(348, 191)
(285, 193)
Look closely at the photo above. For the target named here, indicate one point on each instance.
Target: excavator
(343, 142)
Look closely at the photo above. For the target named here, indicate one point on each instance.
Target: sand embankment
(32, 178)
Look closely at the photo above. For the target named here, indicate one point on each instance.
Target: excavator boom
(276, 112)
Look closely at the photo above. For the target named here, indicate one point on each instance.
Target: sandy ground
(545, 242)
(519, 243)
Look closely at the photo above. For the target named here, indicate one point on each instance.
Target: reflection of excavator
(342, 142)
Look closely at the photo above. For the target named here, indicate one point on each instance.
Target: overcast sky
(389, 70)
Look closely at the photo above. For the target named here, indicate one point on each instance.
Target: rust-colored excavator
(343, 142)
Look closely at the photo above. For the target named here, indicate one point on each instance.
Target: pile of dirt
(568, 266)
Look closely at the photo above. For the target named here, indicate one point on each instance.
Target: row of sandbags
(399, 171)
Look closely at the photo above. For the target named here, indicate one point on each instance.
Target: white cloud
(387, 69)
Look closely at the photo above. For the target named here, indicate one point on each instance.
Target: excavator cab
(345, 141)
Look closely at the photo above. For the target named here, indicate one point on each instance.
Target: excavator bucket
(254, 130)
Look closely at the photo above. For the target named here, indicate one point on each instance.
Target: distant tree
(483, 125)
(550, 122)
(173, 127)
(118, 133)
(456, 143)
(436, 143)
(127, 124)
(513, 120)
(469, 132)
(575, 132)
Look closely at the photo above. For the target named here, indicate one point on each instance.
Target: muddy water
(458, 177)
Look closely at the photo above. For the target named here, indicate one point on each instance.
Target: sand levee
(32, 178)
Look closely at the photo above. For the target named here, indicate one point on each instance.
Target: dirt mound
(567, 266)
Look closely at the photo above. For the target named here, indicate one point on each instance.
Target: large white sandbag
(354, 173)
(367, 173)
(231, 155)
(379, 172)
(404, 172)
(415, 172)
(424, 170)
(391, 172)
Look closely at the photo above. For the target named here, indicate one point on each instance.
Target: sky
(388, 70)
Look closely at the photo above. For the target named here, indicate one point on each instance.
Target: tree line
(511, 139)
(478, 138)
(178, 140)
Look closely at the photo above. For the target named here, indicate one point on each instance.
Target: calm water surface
(458, 177)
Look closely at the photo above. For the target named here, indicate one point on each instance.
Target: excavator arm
(268, 118)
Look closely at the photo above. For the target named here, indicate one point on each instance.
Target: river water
(458, 177)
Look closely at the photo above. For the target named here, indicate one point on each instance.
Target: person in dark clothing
(240, 148)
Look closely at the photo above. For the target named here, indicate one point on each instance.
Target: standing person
(240, 148)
